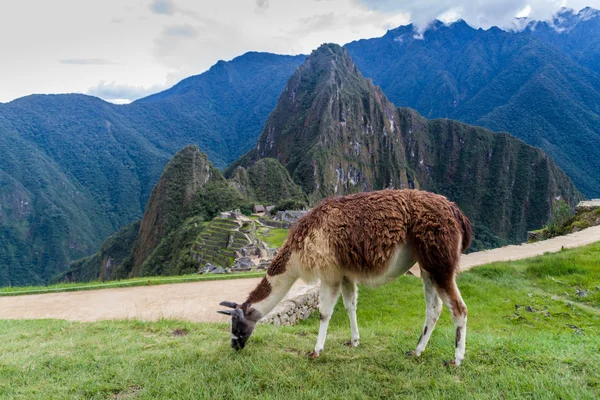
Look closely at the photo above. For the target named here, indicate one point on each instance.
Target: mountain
(74, 169)
(541, 84)
(337, 133)
(189, 193)
(266, 181)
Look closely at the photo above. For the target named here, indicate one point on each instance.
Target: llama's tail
(465, 224)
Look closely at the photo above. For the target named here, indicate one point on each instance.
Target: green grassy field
(525, 340)
(274, 237)
(159, 280)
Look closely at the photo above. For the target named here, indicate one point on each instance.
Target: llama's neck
(274, 286)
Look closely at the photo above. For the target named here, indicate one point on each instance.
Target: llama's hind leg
(328, 296)
(452, 299)
(434, 309)
(350, 296)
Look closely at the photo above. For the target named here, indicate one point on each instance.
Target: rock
(264, 265)
(217, 270)
(243, 264)
(582, 293)
(208, 268)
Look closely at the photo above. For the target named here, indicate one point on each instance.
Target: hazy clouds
(122, 93)
(166, 7)
(482, 13)
(144, 45)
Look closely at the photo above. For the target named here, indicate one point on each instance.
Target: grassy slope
(510, 353)
(274, 237)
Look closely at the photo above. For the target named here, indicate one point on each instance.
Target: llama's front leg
(328, 295)
(350, 296)
(434, 309)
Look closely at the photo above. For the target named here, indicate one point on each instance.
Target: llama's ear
(226, 312)
(229, 304)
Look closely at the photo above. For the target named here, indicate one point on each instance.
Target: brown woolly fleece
(363, 230)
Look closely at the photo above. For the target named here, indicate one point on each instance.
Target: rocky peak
(188, 171)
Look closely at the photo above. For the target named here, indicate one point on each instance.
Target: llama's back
(357, 233)
(360, 233)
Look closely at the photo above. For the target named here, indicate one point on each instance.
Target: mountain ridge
(536, 84)
(111, 156)
(337, 133)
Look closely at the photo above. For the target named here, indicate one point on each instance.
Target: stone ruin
(289, 216)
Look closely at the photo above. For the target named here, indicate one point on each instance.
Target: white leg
(434, 309)
(350, 296)
(328, 295)
(453, 300)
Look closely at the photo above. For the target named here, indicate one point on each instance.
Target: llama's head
(242, 323)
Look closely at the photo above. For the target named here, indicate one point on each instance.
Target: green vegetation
(561, 214)
(273, 237)
(106, 264)
(565, 222)
(524, 341)
(96, 285)
(214, 245)
(289, 205)
(266, 182)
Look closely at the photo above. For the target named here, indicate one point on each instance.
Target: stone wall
(275, 224)
(586, 206)
(296, 308)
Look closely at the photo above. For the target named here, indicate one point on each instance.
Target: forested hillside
(74, 169)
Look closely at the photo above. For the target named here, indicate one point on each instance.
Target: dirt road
(199, 301)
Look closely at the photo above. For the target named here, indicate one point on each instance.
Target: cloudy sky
(121, 50)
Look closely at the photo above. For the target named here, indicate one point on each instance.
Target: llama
(367, 238)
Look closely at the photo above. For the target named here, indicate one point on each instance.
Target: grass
(524, 341)
(159, 280)
(274, 237)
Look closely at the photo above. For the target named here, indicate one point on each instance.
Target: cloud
(185, 30)
(164, 7)
(262, 4)
(483, 13)
(317, 23)
(87, 61)
(116, 93)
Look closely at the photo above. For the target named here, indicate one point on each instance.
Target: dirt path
(198, 301)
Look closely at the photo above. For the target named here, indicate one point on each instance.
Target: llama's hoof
(451, 363)
(313, 354)
(352, 343)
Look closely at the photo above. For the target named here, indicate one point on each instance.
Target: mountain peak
(329, 57)
(325, 107)
(337, 133)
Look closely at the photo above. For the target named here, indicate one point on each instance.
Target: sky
(121, 50)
